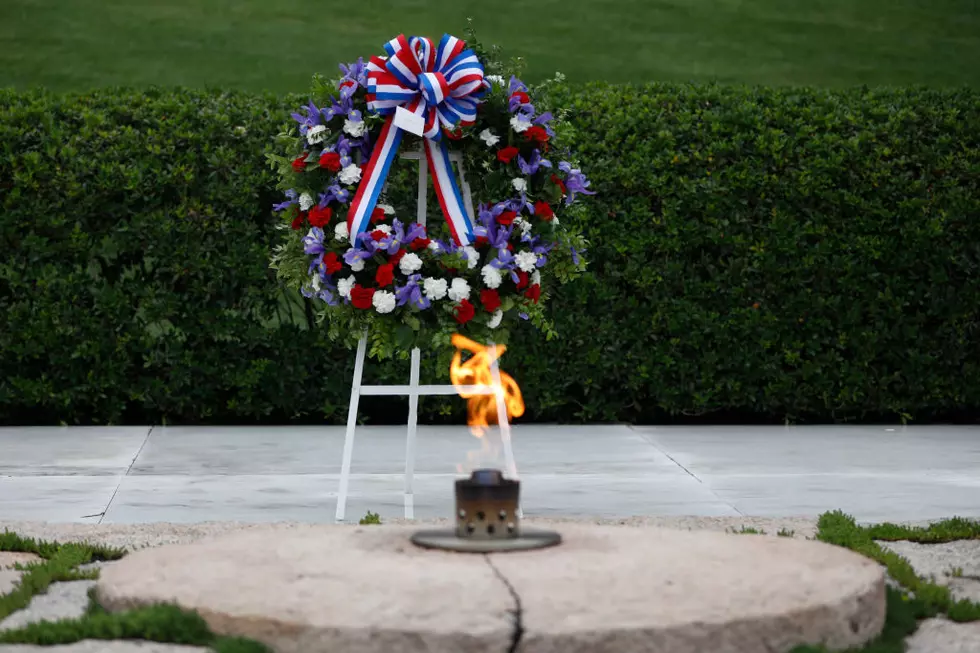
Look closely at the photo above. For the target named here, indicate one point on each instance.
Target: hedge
(757, 254)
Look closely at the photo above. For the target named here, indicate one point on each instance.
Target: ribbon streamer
(440, 88)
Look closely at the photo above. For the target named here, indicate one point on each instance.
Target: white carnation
(305, 202)
(523, 225)
(491, 276)
(495, 319)
(433, 246)
(351, 174)
(520, 124)
(536, 277)
(555, 222)
(526, 261)
(410, 263)
(496, 79)
(340, 231)
(316, 134)
(434, 289)
(344, 286)
(519, 184)
(316, 282)
(489, 137)
(459, 290)
(355, 129)
(384, 301)
(384, 228)
(472, 256)
(387, 208)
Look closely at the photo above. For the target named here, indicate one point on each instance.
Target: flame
(477, 370)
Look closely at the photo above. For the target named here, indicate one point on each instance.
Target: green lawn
(277, 44)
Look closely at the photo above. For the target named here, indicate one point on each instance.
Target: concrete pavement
(264, 474)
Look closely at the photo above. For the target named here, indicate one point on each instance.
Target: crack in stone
(517, 612)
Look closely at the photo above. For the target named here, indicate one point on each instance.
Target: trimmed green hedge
(759, 253)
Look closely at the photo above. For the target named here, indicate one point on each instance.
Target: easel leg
(355, 396)
(502, 420)
(413, 418)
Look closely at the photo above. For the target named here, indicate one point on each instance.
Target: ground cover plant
(258, 46)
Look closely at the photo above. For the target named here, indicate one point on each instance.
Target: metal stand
(413, 390)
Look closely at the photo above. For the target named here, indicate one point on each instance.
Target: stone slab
(8, 580)
(101, 646)
(939, 560)
(61, 601)
(620, 590)
(608, 589)
(319, 589)
(10, 558)
(942, 636)
(56, 498)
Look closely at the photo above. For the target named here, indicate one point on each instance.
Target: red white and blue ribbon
(440, 87)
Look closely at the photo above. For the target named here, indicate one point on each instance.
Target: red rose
(507, 218)
(510, 247)
(397, 256)
(377, 215)
(522, 279)
(385, 275)
(523, 97)
(330, 161)
(507, 154)
(361, 297)
(299, 163)
(378, 235)
(464, 311)
(320, 217)
(490, 300)
(481, 241)
(558, 182)
(420, 243)
(298, 220)
(348, 83)
(454, 135)
(543, 210)
(537, 133)
(534, 292)
(331, 263)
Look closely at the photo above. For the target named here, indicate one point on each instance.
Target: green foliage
(370, 518)
(775, 253)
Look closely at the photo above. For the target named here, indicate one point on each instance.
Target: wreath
(352, 242)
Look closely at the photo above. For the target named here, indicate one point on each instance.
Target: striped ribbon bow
(423, 89)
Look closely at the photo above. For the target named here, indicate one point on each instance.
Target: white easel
(413, 390)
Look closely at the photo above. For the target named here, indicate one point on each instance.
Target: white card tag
(410, 122)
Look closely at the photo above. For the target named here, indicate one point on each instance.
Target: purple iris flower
(327, 294)
(524, 316)
(355, 72)
(312, 117)
(575, 253)
(518, 204)
(400, 236)
(292, 197)
(504, 260)
(545, 120)
(357, 254)
(531, 167)
(313, 242)
(516, 85)
(334, 193)
(488, 227)
(411, 293)
(575, 182)
(447, 246)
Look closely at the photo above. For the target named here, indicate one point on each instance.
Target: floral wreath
(481, 269)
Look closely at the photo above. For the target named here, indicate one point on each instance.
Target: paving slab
(875, 473)
(102, 646)
(293, 589)
(56, 498)
(662, 591)
(942, 636)
(69, 451)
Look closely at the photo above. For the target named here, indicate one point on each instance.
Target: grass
(259, 45)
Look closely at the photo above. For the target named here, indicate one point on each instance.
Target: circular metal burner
(447, 540)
